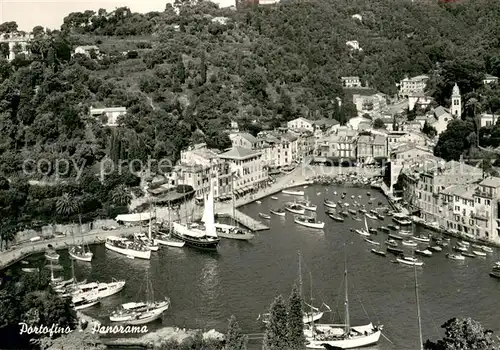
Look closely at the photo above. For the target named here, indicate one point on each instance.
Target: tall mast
(347, 319)
(149, 228)
(300, 274)
(421, 346)
(312, 311)
(232, 190)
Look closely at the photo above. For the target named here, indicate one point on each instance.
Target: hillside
(182, 77)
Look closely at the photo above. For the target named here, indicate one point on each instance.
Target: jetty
(244, 220)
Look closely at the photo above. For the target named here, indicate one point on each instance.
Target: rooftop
(408, 147)
(462, 191)
(491, 182)
(417, 78)
(239, 153)
(249, 137)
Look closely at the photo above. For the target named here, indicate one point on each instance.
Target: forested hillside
(183, 76)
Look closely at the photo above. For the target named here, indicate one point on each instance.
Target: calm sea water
(243, 278)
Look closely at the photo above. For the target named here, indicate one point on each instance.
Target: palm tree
(121, 195)
(66, 205)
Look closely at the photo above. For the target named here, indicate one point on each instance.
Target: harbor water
(242, 278)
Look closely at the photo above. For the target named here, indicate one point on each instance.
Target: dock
(244, 220)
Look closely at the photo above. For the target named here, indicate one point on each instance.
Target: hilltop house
(109, 115)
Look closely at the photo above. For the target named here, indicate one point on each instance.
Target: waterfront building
(324, 126)
(432, 181)
(278, 149)
(198, 165)
(371, 148)
(487, 209)
(341, 145)
(305, 143)
(109, 115)
(412, 86)
(407, 156)
(248, 168)
(457, 208)
(396, 138)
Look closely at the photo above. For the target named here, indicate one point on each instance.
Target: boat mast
(347, 319)
(300, 274)
(149, 228)
(312, 300)
(421, 347)
(234, 206)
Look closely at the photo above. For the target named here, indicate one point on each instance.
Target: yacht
(294, 208)
(307, 205)
(409, 260)
(100, 289)
(309, 221)
(168, 240)
(82, 302)
(401, 219)
(196, 235)
(128, 248)
(363, 232)
(131, 311)
(292, 192)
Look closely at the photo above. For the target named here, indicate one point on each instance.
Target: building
(357, 16)
(233, 126)
(355, 122)
(396, 138)
(221, 20)
(109, 115)
(301, 124)
(490, 79)
(341, 144)
(353, 45)
(371, 104)
(441, 118)
(457, 209)
(87, 50)
(17, 42)
(198, 166)
(278, 149)
(370, 148)
(487, 209)
(413, 86)
(248, 167)
(351, 82)
(406, 156)
(324, 126)
(456, 102)
(418, 100)
(432, 181)
(244, 139)
(488, 119)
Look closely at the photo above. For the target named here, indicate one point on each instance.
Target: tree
(454, 140)
(38, 31)
(463, 334)
(67, 205)
(276, 334)
(235, 340)
(203, 69)
(296, 338)
(429, 130)
(85, 340)
(121, 195)
(8, 27)
(378, 124)
(181, 71)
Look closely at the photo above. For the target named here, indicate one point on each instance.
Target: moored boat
(336, 217)
(371, 241)
(307, 205)
(84, 302)
(293, 192)
(371, 216)
(329, 204)
(425, 252)
(394, 250)
(409, 260)
(469, 255)
(378, 252)
(458, 257)
(436, 248)
(487, 249)
(424, 239)
(391, 243)
(51, 255)
(401, 219)
(168, 240)
(128, 248)
(309, 221)
(384, 229)
(294, 208)
(479, 253)
(274, 198)
(395, 236)
(265, 216)
(278, 211)
(409, 243)
(393, 227)
(233, 232)
(79, 253)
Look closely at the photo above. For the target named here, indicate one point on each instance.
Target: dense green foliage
(30, 299)
(296, 338)
(463, 334)
(235, 340)
(276, 334)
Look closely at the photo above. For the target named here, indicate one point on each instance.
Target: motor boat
(458, 257)
(310, 222)
(425, 252)
(294, 208)
(409, 260)
(279, 211)
(293, 192)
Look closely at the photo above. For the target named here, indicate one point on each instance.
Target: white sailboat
(80, 252)
(363, 232)
(163, 238)
(317, 336)
(198, 236)
(148, 240)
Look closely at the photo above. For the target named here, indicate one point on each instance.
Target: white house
(357, 16)
(442, 117)
(301, 124)
(355, 122)
(488, 119)
(418, 99)
(110, 114)
(243, 139)
(86, 50)
(411, 86)
(353, 45)
(220, 20)
(351, 82)
(489, 79)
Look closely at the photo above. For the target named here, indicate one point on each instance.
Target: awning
(135, 217)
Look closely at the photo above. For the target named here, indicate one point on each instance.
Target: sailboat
(418, 310)
(314, 314)
(233, 231)
(138, 313)
(166, 238)
(80, 252)
(148, 240)
(363, 232)
(322, 335)
(378, 251)
(197, 236)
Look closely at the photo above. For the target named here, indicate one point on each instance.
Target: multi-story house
(249, 170)
(278, 149)
(413, 86)
(490, 79)
(457, 209)
(371, 147)
(396, 138)
(436, 179)
(487, 209)
(198, 166)
(369, 103)
(243, 139)
(301, 124)
(351, 82)
(340, 144)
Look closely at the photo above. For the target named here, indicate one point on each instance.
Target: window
(488, 202)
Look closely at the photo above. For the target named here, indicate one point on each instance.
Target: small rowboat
(479, 253)
(265, 216)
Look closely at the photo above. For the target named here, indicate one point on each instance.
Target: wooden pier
(244, 220)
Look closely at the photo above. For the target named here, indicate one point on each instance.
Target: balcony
(486, 194)
(481, 216)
